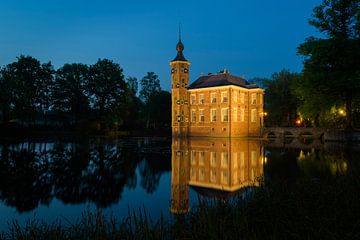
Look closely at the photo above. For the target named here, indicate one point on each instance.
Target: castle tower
(180, 176)
(179, 92)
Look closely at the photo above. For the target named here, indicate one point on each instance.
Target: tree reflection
(24, 178)
(79, 171)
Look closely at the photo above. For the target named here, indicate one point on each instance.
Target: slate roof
(179, 57)
(219, 194)
(221, 79)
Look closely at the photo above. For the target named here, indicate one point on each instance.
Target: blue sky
(250, 37)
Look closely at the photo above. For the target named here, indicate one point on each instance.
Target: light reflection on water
(58, 179)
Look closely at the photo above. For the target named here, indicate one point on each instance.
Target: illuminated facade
(218, 105)
(213, 167)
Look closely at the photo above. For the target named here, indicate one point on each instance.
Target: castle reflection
(213, 167)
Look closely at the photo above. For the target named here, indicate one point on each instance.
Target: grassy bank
(308, 209)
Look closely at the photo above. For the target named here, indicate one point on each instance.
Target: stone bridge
(293, 132)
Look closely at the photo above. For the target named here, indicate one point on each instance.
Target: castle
(213, 167)
(216, 105)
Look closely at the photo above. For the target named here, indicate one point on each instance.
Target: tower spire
(179, 48)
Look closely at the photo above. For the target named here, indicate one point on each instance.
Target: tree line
(77, 96)
(327, 91)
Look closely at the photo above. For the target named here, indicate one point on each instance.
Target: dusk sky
(250, 37)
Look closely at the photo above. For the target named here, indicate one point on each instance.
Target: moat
(52, 179)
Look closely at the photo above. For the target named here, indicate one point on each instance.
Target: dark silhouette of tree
(70, 98)
(150, 84)
(30, 85)
(6, 95)
(281, 103)
(133, 85)
(150, 89)
(107, 93)
(331, 75)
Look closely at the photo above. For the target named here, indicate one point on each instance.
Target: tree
(150, 87)
(280, 101)
(6, 96)
(132, 83)
(29, 82)
(70, 90)
(107, 90)
(150, 84)
(331, 75)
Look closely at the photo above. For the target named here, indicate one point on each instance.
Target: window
(225, 177)
(261, 98)
(242, 159)
(201, 98)
(253, 115)
(235, 96)
(213, 159)
(224, 115)
(193, 99)
(193, 158)
(235, 177)
(235, 114)
(253, 158)
(224, 159)
(242, 98)
(213, 175)
(193, 115)
(242, 114)
(192, 174)
(235, 163)
(224, 97)
(213, 97)
(201, 115)
(213, 115)
(201, 158)
(201, 174)
(253, 98)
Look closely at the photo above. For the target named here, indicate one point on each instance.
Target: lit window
(242, 114)
(253, 158)
(235, 163)
(224, 97)
(201, 115)
(201, 158)
(235, 177)
(213, 115)
(253, 98)
(193, 158)
(201, 98)
(225, 177)
(192, 174)
(253, 115)
(193, 115)
(213, 97)
(201, 174)
(224, 159)
(213, 159)
(235, 114)
(193, 99)
(224, 115)
(242, 159)
(242, 98)
(213, 175)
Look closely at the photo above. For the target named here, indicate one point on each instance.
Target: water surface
(53, 179)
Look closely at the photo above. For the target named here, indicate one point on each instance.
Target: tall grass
(308, 209)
